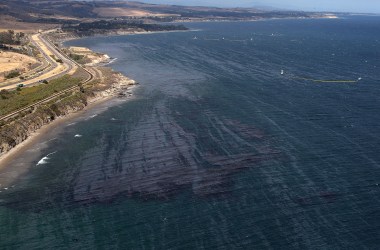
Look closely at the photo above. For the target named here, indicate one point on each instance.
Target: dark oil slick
(217, 149)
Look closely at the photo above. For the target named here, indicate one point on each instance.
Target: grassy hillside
(16, 99)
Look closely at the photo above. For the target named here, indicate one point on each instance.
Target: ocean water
(217, 149)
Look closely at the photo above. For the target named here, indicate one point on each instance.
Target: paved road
(55, 71)
(54, 68)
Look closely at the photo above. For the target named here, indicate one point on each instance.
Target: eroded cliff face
(21, 128)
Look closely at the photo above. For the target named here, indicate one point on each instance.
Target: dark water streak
(218, 150)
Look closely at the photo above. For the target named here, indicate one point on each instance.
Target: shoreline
(100, 97)
(128, 33)
(120, 84)
(327, 16)
(7, 157)
(62, 41)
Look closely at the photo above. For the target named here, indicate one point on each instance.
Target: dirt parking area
(11, 61)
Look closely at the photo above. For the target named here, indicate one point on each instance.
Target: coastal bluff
(21, 128)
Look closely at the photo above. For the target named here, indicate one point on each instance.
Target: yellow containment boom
(328, 81)
(319, 80)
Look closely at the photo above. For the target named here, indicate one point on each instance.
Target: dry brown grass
(90, 58)
(104, 78)
(10, 23)
(10, 61)
(37, 15)
(80, 49)
(125, 12)
(54, 70)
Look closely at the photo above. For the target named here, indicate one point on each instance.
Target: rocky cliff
(17, 131)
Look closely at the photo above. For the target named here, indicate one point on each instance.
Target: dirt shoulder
(86, 56)
(11, 61)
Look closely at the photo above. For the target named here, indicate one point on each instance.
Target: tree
(4, 94)
(10, 37)
(6, 38)
(13, 74)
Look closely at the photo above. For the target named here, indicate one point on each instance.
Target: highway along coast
(58, 86)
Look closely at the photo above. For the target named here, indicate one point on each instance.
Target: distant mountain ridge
(71, 11)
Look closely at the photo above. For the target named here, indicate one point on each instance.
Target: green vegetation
(13, 74)
(57, 11)
(13, 100)
(11, 38)
(5, 94)
(76, 57)
(90, 28)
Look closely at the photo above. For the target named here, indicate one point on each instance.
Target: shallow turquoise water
(217, 149)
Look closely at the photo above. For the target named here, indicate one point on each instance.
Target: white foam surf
(111, 61)
(45, 159)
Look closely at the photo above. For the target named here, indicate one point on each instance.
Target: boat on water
(282, 72)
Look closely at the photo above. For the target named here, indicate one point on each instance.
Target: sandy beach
(96, 105)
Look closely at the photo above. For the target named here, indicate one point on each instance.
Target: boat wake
(111, 61)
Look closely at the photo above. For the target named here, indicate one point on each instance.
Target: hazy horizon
(364, 6)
